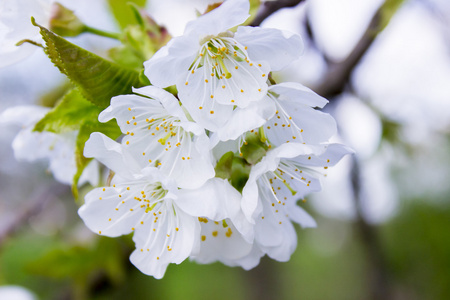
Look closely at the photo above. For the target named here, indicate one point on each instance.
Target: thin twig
(269, 7)
(338, 75)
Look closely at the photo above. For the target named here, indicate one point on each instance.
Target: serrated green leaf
(68, 115)
(98, 79)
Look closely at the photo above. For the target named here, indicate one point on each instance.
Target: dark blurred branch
(379, 284)
(269, 7)
(43, 196)
(264, 283)
(338, 75)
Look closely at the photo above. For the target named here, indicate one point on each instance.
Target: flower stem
(99, 32)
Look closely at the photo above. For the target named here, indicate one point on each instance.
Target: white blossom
(164, 218)
(158, 133)
(216, 70)
(295, 119)
(59, 148)
(15, 25)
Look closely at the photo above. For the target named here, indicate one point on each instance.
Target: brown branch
(338, 74)
(270, 7)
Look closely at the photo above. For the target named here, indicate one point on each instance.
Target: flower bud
(64, 22)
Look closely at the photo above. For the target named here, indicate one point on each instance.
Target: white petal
(24, 115)
(297, 92)
(324, 156)
(91, 174)
(204, 110)
(278, 48)
(275, 234)
(228, 15)
(222, 242)
(246, 119)
(168, 100)
(171, 242)
(210, 200)
(171, 61)
(111, 154)
(248, 83)
(300, 216)
(105, 214)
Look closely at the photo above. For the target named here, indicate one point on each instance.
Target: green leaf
(98, 79)
(68, 115)
(122, 11)
(79, 263)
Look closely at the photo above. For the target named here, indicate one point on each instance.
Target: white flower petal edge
(220, 241)
(228, 15)
(158, 133)
(245, 119)
(278, 48)
(59, 149)
(287, 173)
(15, 26)
(296, 120)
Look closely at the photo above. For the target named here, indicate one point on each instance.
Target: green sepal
(254, 149)
(224, 165)
(98, 79)
(240, 173)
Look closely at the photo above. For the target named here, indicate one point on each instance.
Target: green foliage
(122, 11)
(139, 41)
(78, 262)
(98, 79)
(72, 111)
(417, 244)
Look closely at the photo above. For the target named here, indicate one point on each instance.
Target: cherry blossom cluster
(215, 173)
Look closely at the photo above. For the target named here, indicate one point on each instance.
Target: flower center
(213, 52)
